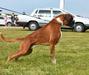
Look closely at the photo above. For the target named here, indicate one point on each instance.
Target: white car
(81, 23)
(41, 16)
(2, 21)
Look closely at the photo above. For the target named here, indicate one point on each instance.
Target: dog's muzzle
(71, 24)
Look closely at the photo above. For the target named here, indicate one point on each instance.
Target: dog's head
(65, 19)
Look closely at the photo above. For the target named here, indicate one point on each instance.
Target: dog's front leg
(52, 53)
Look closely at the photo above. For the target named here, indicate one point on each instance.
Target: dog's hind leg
(52, 53)
(25, 49)
(27, 53)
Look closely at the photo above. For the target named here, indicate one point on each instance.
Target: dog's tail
(2, 38)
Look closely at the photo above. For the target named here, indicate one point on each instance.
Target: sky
(79, 7)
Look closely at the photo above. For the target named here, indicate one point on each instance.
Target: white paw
(54, 61)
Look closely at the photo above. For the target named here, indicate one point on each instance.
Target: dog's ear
(68, 17)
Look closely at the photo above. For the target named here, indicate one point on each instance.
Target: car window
(55, 13)
(45, 13)
(1, 18)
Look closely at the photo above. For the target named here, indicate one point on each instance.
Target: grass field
(72, 56)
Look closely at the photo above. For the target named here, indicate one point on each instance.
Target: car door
(45, 15)
(2, 21)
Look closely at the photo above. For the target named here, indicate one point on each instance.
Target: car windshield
(55, 13)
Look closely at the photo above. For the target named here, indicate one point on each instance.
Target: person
(13, 18)
(16, 19)
(5, 19)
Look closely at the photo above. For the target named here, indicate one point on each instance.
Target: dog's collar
(59, 21)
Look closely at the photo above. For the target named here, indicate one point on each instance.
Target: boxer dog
(47, 35)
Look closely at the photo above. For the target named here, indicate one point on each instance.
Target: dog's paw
(53, 61)
(8, 59)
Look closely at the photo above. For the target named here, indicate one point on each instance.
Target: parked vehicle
(81, 23)
(41, 16)
(3, 22)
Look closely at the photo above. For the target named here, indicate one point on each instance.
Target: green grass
(72, 56)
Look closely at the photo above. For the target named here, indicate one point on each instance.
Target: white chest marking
(59, 21)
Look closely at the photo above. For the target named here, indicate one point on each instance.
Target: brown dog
(49, 35)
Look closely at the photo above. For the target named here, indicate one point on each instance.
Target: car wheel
(9, 24)
(33, 26)
(79, 27)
